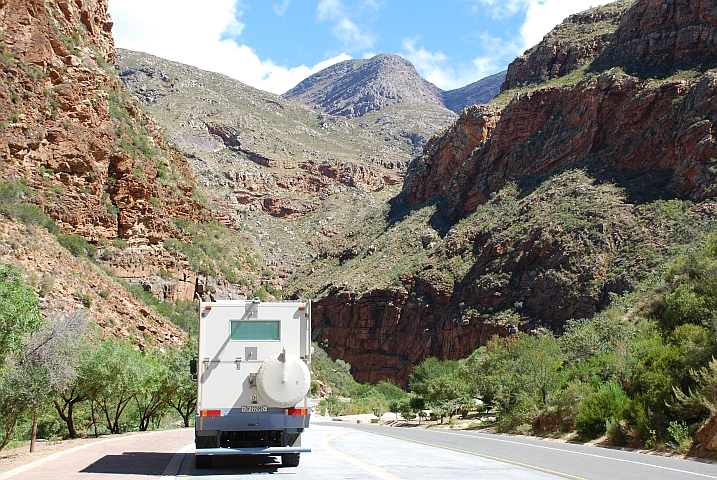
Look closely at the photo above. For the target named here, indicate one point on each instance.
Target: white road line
(366, 467)
(172, 469)
(579, 453)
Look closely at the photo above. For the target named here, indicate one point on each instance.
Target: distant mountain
(481, 91)
(538, 208)
(354, 88)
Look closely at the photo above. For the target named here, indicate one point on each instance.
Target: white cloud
(354, 37)
(330, 10)
(202, 35)
(542, 16)
(437, 68)
(279, 9)
(500, 9)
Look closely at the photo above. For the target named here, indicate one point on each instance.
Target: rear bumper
(251, 451)
(236, 420)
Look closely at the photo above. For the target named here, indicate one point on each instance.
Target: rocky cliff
(681, 35)
(68, 131)
(572, 44)
(93, 161)
(527, 215)
(659, 137)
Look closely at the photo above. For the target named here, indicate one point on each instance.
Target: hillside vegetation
(552, 238)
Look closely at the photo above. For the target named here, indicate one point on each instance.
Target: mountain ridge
(536, 208)
(353, 88)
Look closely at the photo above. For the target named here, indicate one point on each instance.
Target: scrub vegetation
(640, 373)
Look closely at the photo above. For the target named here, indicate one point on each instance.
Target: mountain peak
(353, 88)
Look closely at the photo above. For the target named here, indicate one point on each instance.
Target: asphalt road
(370, 451)
(350, 451)
(562, 459)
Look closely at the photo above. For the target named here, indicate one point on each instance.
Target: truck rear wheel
(203, 461)
(290, 459)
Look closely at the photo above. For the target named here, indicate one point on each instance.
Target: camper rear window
(255, 330)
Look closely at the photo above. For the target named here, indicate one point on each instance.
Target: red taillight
(210, 413)
(297, 411)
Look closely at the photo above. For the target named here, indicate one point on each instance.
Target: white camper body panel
(253, 380)
(227, 366)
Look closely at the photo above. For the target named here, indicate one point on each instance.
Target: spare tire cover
(283, 384)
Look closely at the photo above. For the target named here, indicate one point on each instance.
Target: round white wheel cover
(283, 384)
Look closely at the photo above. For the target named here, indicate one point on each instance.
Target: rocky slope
(531, 214)
(65, 284)
(353, 88)
(60, 108)
(481, 91)
(95, 163)
(570, 45)
(281, 173)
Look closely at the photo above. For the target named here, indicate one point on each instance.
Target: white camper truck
(254, 384)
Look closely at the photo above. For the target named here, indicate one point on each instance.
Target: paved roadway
(366, 451)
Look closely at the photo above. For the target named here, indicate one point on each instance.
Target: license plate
(255, 408)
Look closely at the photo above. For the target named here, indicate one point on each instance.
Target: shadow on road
(239, 465)
(134, 463)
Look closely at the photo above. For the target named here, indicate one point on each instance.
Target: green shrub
(331, 406)
(607, 403)
(120, 243)
(47, 285)
(165, 274)
(13, 204)
(85, 299)
(680, 434)
(77, 245)
(615, 432)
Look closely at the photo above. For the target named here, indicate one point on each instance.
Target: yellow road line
(520, 464)
(378, 471)
(189, 466)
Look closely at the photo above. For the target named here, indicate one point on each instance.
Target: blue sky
(274, 44)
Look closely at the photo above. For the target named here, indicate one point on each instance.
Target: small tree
(23, 388)
(448, 394)
(114, 376)
(54, 349)
(183, 396)
(406, 411)
(153, 388)
(428, 371)
(78, 391)
(19, 313)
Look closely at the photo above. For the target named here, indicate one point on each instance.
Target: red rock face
(664, 36)
(572, 44)
(432, 172)
(384, 333)
(613, 122)
(57, 89)
(265, 191)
